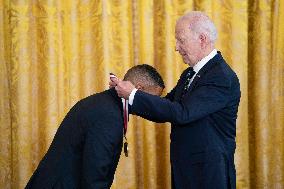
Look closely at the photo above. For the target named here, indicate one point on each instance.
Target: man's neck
(204, 60)
(204, 54)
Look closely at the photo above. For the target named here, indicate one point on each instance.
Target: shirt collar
(204, 60)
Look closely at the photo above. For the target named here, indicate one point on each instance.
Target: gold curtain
(53, 53)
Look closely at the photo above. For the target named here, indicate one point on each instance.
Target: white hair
(201, 23)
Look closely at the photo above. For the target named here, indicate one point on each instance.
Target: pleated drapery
(53, 53)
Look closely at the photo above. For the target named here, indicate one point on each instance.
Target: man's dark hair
(144, 73)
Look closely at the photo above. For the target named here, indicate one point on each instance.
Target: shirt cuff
(131, 96)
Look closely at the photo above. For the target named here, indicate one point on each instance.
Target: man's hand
(123, 88)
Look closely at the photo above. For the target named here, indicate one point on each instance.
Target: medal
(125, 148)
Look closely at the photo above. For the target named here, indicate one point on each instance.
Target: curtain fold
(53, 53)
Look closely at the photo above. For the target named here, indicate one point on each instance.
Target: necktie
(189, 75)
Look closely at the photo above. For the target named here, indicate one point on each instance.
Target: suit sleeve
(205, 99)
(97, 157)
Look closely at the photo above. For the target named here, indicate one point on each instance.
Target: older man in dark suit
(86, 148)
(202, 108)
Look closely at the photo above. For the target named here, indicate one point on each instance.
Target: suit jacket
(86, 148)
(203, 125)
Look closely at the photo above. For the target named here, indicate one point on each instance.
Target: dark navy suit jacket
(203, 126)
(86, 148)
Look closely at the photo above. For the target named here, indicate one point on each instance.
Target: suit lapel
(180, 86)
(204, 69)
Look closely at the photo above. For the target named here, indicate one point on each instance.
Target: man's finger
(111, 84)
(115, 80)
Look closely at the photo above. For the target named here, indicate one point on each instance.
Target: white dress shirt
(196, 68)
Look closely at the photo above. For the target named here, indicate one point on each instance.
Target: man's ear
(139, 86)
(202, 37)
(203, 40)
